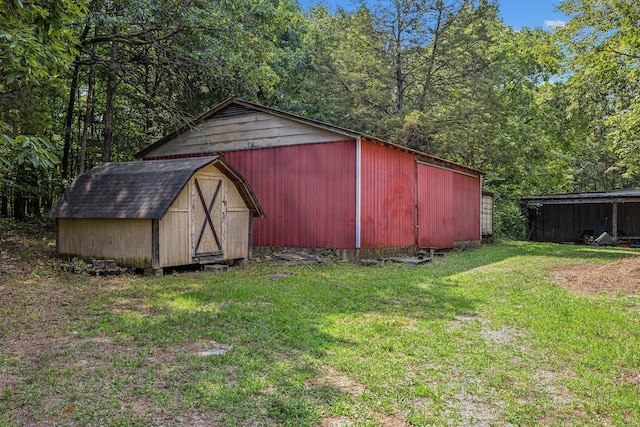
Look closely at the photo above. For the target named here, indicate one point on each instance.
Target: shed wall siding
(448, 207)
(306, 191)
(388, 197)
(629, 219)
(175, 232)
(178, 232)
(128, 241)
(241, 132)
(565, 223)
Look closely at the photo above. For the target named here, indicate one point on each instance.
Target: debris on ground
(277, 276)
(619, 277)
(216, 268)
(106, 267)
(291, 258)
(407, 260)
(215, 349)
(605, 239)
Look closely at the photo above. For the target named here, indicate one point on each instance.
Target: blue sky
(517, 13)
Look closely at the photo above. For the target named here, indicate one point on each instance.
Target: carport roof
(618, 196)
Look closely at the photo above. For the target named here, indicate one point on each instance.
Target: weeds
(483, 337)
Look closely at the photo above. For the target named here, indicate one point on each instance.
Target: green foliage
(36, 43)
(603, 44)
(35, 39)
(509, 221)
(540, 111)
(37, 151)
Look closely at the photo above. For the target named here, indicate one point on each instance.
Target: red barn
(325, 186)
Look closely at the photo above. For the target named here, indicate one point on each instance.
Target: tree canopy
(540, 110)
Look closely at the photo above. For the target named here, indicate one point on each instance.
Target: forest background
(539, 110)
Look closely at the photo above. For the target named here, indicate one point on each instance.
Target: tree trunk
(70, 109)
(19, 201)
(435, 46)
(110, 104)
(4, 207)
(33, 207)
(398, 60)
(87, 118)
(69, 121)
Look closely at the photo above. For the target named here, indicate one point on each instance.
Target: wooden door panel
(207, 216)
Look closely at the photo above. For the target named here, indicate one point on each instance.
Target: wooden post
(155, 244)
(250, 248)
(614, 220)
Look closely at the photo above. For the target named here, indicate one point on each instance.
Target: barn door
(448, 206)
(207, 217)
(435, 207)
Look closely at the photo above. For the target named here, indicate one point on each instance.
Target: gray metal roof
(143, 189)
(622, 196)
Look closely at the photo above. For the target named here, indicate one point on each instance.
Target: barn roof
(231, 103)
(139, 189)
(632, 195)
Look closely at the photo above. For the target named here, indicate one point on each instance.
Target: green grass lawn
(482, 337)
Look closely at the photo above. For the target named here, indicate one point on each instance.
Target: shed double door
(207, 218)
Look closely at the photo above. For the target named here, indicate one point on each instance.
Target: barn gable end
(236, 127)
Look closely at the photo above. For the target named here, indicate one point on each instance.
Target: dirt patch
(336, 422)
(503, 336)
(334, 378)
(619, 277)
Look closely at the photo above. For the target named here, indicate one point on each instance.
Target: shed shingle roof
(143, 189)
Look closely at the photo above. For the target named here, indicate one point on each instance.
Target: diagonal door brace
(207, 212)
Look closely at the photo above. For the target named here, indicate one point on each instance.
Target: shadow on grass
(279, 330)
(284, 331)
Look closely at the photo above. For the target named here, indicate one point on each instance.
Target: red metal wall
(388, 197)
(307, 193)
(448, 207)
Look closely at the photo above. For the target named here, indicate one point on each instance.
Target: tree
(603, 44)
(36, 44)
(158, 63)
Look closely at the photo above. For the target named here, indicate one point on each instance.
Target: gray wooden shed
(567, 217)
(157, 214)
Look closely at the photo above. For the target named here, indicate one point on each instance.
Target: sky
(516, 13)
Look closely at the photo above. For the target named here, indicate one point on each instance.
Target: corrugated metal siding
(388, 189)
(448, 207)
(306, 191)
(435, 207)
(467, 198)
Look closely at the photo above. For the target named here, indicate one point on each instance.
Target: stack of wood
(106, 267)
